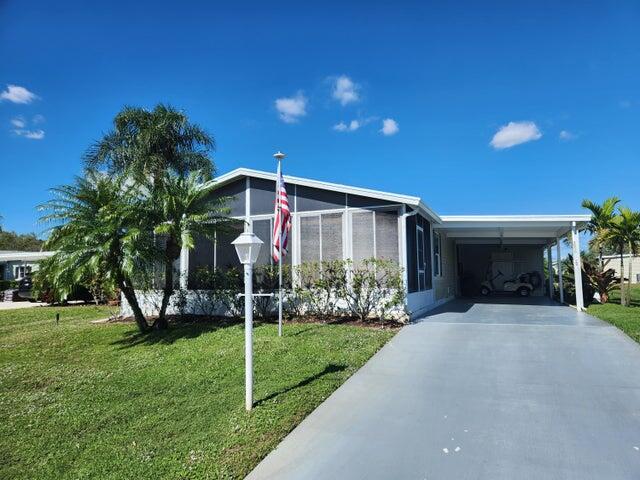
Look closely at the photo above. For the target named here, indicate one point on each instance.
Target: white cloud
(351, 127)
(38, 119)
(346, 90)
(389, 127)
(31, 134)
(17, 94)
(291, 109)
(515, 133)
(566, 135)
(625, 104)
(18, 122)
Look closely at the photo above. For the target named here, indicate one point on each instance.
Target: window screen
(362, 238)
(226, 256)
(387, 235)
(331, 236)
(309, 239)
(263, 229)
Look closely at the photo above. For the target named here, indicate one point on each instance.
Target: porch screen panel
(387, 236)
(262, 229)
(226, 256)
(310, 239)
(362, 237)
(332, 236)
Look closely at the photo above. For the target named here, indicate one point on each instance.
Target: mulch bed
(226, 321)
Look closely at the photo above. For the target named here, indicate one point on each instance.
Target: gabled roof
(411, 201)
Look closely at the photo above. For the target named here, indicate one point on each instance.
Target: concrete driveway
(480, 391)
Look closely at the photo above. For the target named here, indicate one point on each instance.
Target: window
(421, 259)
(362, 236)
(321, 237)
(375, 235)
(21, 271)
(437, 255)
(387, 235)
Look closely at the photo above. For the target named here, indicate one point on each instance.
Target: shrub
(216, 288)
(8, 284)
(321, 286)
(375, 288)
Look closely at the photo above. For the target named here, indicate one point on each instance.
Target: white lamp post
(248, 247)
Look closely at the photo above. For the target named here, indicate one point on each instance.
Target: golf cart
(522, 285)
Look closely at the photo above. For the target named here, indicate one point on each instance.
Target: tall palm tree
(186, 209)
(100, 226)
(625, 232)
(600, 223)
(158, 149)
(147, 144)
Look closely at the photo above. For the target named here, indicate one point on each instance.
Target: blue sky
(462, 105)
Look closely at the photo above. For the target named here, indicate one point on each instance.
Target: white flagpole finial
(278, 155)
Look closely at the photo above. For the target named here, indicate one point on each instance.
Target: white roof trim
(24, 256)
(479, 219)
(415, 202)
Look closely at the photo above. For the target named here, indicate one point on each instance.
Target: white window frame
(437, 253)
(421, 272)
(21, 271)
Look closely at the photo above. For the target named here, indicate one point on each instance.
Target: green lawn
(626, 319)
(79, 400)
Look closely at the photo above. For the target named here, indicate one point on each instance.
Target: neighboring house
(441, 256)
(613, 261)
(15, 265)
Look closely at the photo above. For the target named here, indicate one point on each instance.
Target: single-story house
(613, 261)
(441, 256)
(15, 265)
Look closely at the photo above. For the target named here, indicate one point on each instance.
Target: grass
(626, 319)
(81, 400)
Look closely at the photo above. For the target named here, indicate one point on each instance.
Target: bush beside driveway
(80, 400)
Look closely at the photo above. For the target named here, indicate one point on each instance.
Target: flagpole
(279, 156)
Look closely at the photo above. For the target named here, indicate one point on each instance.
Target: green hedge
(8, 284)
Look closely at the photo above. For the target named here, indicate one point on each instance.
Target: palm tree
(100, 227)
(149, 143)
(601, 218)
(160, 149)
(625, 232)
(186, 209)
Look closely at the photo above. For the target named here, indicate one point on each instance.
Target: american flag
(282, 220)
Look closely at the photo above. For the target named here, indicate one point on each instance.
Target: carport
(516, 243)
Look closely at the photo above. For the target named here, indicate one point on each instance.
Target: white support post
(403, 250)
(184, 268)
(559, 260)
(248, 336)
(577, 266)
(550, 271)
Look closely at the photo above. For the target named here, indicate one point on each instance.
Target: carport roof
(538, 229)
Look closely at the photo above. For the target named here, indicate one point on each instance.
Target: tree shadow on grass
(177, 330)
(331, 368)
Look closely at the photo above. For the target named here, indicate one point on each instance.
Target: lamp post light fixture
(248, 247)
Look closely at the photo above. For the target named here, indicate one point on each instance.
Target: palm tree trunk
(622, 302)
(627, 297)
(161, 323)
(600, 259)
(171, 256)
(130, 295)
